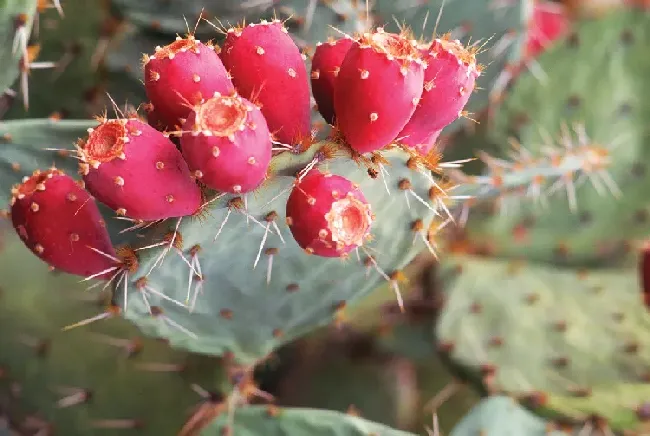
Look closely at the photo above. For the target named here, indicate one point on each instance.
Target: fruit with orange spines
(328, 214)
(180, 75)
(227, 144)
(268, 69)
(137, 171)
(378, 89)
(325, 66)
(448, 84)
(60, 223)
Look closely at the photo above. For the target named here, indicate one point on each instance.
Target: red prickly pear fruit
(227, 144)
(58, 220)
(448, 83)
(180, 75)
(137, 171)
(548, 23)
(377, 89)
(425, 148)
(328, 214)
(325, 66)
(268, 69)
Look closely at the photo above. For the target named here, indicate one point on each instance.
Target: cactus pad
(496, 416)
(605, 100)
(237, 308)
(256, 420)
(249, 311)
(553, 336)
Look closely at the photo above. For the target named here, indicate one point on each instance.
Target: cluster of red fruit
(227, 108)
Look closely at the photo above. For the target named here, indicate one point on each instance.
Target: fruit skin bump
(227, 144)
(325, 66)
(61, 223)
(328, 214)
(448, 84)
(378, 89)
(180, 75)
(137, 171)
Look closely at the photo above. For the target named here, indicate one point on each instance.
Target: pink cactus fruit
(268, 69)
(549, 22)
(328, 214)
(227, 144)
(179, 75)
(377, 90)
(137, 171)
(58, 221)
(325, 66)
(448, 83)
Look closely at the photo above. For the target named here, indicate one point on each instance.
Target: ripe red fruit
(136, 171)
(448, 83)
(325, 66)
(179, 75)
(328, 214)
(548, 23)
(227, 144)
(268, 69)
(378, 89)
(57, 220)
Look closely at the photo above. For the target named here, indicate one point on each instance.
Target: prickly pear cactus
(593, 217)
(500, 28)
(15, 28)
(502, 416)
(90, 381)
(569, 341)
(256, 420)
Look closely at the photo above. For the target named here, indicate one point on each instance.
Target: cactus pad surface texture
(596, 110)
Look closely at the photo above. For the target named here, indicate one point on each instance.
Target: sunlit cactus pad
(499, 415)
(256, 420)
(597, 216)
(555, 337)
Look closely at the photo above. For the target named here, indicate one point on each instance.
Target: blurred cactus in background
(324, 217)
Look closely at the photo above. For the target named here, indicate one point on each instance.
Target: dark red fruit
(57, 220)
(378, 89)
(136, 171)
(180, 75)
(325, 66)
(227, 144)
(267, 68)
(328, 214)
(548, 23)
(448, 83)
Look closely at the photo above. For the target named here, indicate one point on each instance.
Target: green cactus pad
(9, 11)
(537, 331)
(238, 311)
(608, 99)
(132, 381)
(501, 416)
(258, 420)
(504, 24)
